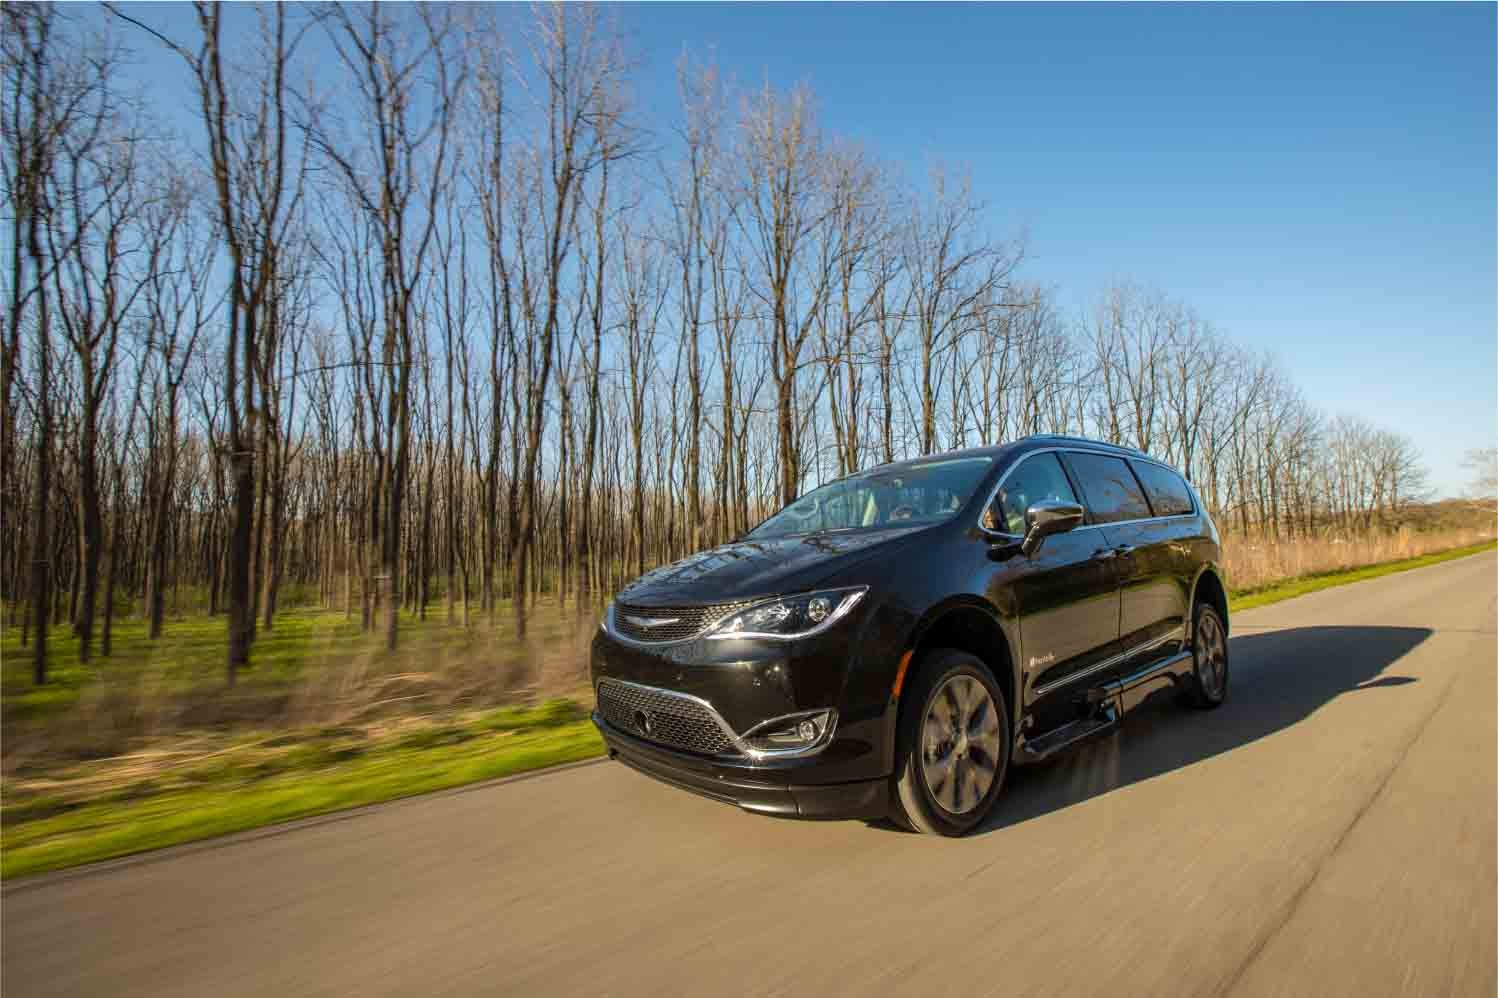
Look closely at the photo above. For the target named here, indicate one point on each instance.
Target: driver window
(833, 511)
(1037, 478)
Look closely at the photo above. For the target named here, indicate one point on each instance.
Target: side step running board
(1064, 737)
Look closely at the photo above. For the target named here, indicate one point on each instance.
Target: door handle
(1124, 549)
(1104, 554)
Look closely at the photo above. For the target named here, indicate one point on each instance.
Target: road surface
(1330, 831)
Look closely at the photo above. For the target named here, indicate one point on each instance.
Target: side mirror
(1047, 517)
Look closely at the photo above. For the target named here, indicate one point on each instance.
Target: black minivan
(890, 643)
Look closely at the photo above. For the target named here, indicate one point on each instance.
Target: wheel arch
(976, 627)
(1210, 587)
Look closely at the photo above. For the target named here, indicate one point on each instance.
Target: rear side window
(1168, 494)
(1108, 487)
(1038, 477)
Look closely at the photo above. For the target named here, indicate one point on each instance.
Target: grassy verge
(1299, 586)
(258, 782)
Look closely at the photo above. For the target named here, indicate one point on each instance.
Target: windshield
(885, 497)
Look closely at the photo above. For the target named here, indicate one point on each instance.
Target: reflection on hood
(758, 567)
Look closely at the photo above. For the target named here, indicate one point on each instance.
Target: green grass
(190, 652)
(328, 771)
(189, 656)
(1299, 586)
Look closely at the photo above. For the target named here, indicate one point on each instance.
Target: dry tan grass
(316, 670)
(1256, 562)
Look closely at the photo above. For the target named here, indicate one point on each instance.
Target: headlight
(790, 616)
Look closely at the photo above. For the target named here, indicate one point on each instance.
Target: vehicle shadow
(1278, 678)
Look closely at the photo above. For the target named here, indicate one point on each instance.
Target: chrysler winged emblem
(649, 622)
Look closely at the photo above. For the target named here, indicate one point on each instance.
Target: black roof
(1020, 446)
(1061, 438)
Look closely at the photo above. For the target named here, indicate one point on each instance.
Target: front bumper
(748, 682)
(760, 790)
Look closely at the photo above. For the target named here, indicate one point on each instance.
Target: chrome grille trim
(665, 624)
(686, 720)
(677, 720)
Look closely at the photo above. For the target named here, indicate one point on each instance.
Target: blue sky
(1316, 180)
(1319, 181)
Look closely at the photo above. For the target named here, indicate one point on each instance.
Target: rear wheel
(1208, 685)
(953, 749)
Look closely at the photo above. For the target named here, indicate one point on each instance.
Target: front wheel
(953, 748)
(1208, 685)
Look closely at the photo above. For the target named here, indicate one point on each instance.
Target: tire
(952, 710)
(1208, 686)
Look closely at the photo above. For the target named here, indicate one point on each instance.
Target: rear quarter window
(1167, 492)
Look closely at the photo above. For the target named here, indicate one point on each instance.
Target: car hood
(752, 568)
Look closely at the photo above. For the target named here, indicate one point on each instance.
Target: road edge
(1307, 585)
(166, 853)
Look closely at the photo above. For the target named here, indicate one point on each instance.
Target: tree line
(425, 311)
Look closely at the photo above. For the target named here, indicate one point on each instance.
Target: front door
(1066, 591)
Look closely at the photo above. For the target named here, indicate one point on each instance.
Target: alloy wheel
(960, 746)
(1211, 656)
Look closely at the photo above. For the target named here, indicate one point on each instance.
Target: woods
(421, 307)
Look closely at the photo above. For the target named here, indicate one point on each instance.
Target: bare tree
(953, 276)
(257, 184)
(687, 195)
(180, 304)
(1482, 464)
(100, 259)
(395, 161)
(778, 209)
(57, 106)
(642, 298)
(580, 65)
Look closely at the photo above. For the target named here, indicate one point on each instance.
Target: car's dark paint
(749, 568)
(1068, 596)
(1094, 617)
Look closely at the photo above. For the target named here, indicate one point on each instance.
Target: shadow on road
(1278, 678)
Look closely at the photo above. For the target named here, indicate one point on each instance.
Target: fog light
(793, 734)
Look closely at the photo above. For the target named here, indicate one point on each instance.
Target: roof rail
(1065, 438)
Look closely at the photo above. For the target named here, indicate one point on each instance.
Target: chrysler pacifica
(891, 643)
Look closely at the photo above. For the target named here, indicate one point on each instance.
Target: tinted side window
(1168, 495)
(1108, 487)
(1038, 477)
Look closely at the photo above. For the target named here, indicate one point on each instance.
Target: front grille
(669, 718)
(669, 623)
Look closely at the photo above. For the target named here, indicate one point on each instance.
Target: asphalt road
(1330, 831)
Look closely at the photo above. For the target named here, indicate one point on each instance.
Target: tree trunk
(241, 620)
(41, 580)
